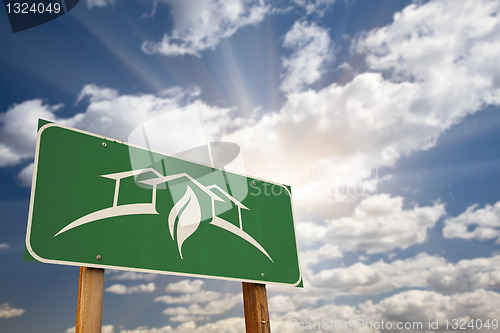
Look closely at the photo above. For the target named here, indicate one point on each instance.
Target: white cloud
(315, 6)
(97, 94)
(426, 71)
(365, 124)
(311, 50)
(129, 275)
(298, 320)
(485, 224)
(122, 289)
(201, 296)
(403, 104)
(422, 271)
(413, 307)
(7, 311)
(196, 312)
(380, 276)
(420, 306)
(311, 257)
(104, 329)
(26, 175)
(4, 246)
(228, 325)
(106, 110)
(378, 224)
(281, 303)
(108, 329)
(201, 25)
(107, 113)
(185, 286)
(18, 130)
(433, 43)
(214, 303)
(99, 3)
(448, 50)
(466, 275)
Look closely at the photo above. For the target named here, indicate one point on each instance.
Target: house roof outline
(227, 195)
(165, 179)
(150, 208)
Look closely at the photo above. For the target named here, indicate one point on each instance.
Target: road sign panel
(90, 207)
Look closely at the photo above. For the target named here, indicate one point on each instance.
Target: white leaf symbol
(187, 213)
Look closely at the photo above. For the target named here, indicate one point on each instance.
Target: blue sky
(381, 115)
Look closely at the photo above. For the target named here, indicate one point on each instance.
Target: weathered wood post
(255, 306)
(90, 293)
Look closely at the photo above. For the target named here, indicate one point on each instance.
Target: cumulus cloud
(311, 257)
(104, 329)
(426, 71)
(413, 307)
(99, 3)
(380, 276)
(196, 312)
(122, 289)
(201, 25)
(185, 286)
(203, 303)
(475, 224)
(422, 271)
(129, 275)
(315, 6)
(460, 41)
(200, 304)
(466, 275)
(229, 325)
(281, 303)
(108, 112)
(446, 49)
(421, 306)
(7, 311)
(26, 175)
(402, 104)
(18, 129)
(294, 321)
(379, 224)
(310, 45)
(202, 296)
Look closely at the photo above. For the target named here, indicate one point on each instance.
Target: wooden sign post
(256, 310)
(89, 308)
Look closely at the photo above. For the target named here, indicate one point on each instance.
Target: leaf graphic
(184, 218)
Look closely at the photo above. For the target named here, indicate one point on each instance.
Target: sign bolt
(98, 257)
(104, 144)
(263, 275)
(254, 183)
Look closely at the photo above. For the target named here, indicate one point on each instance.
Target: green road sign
(99, 202)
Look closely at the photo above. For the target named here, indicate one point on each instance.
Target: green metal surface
(73, 179)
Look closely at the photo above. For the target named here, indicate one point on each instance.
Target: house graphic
(184, 217)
